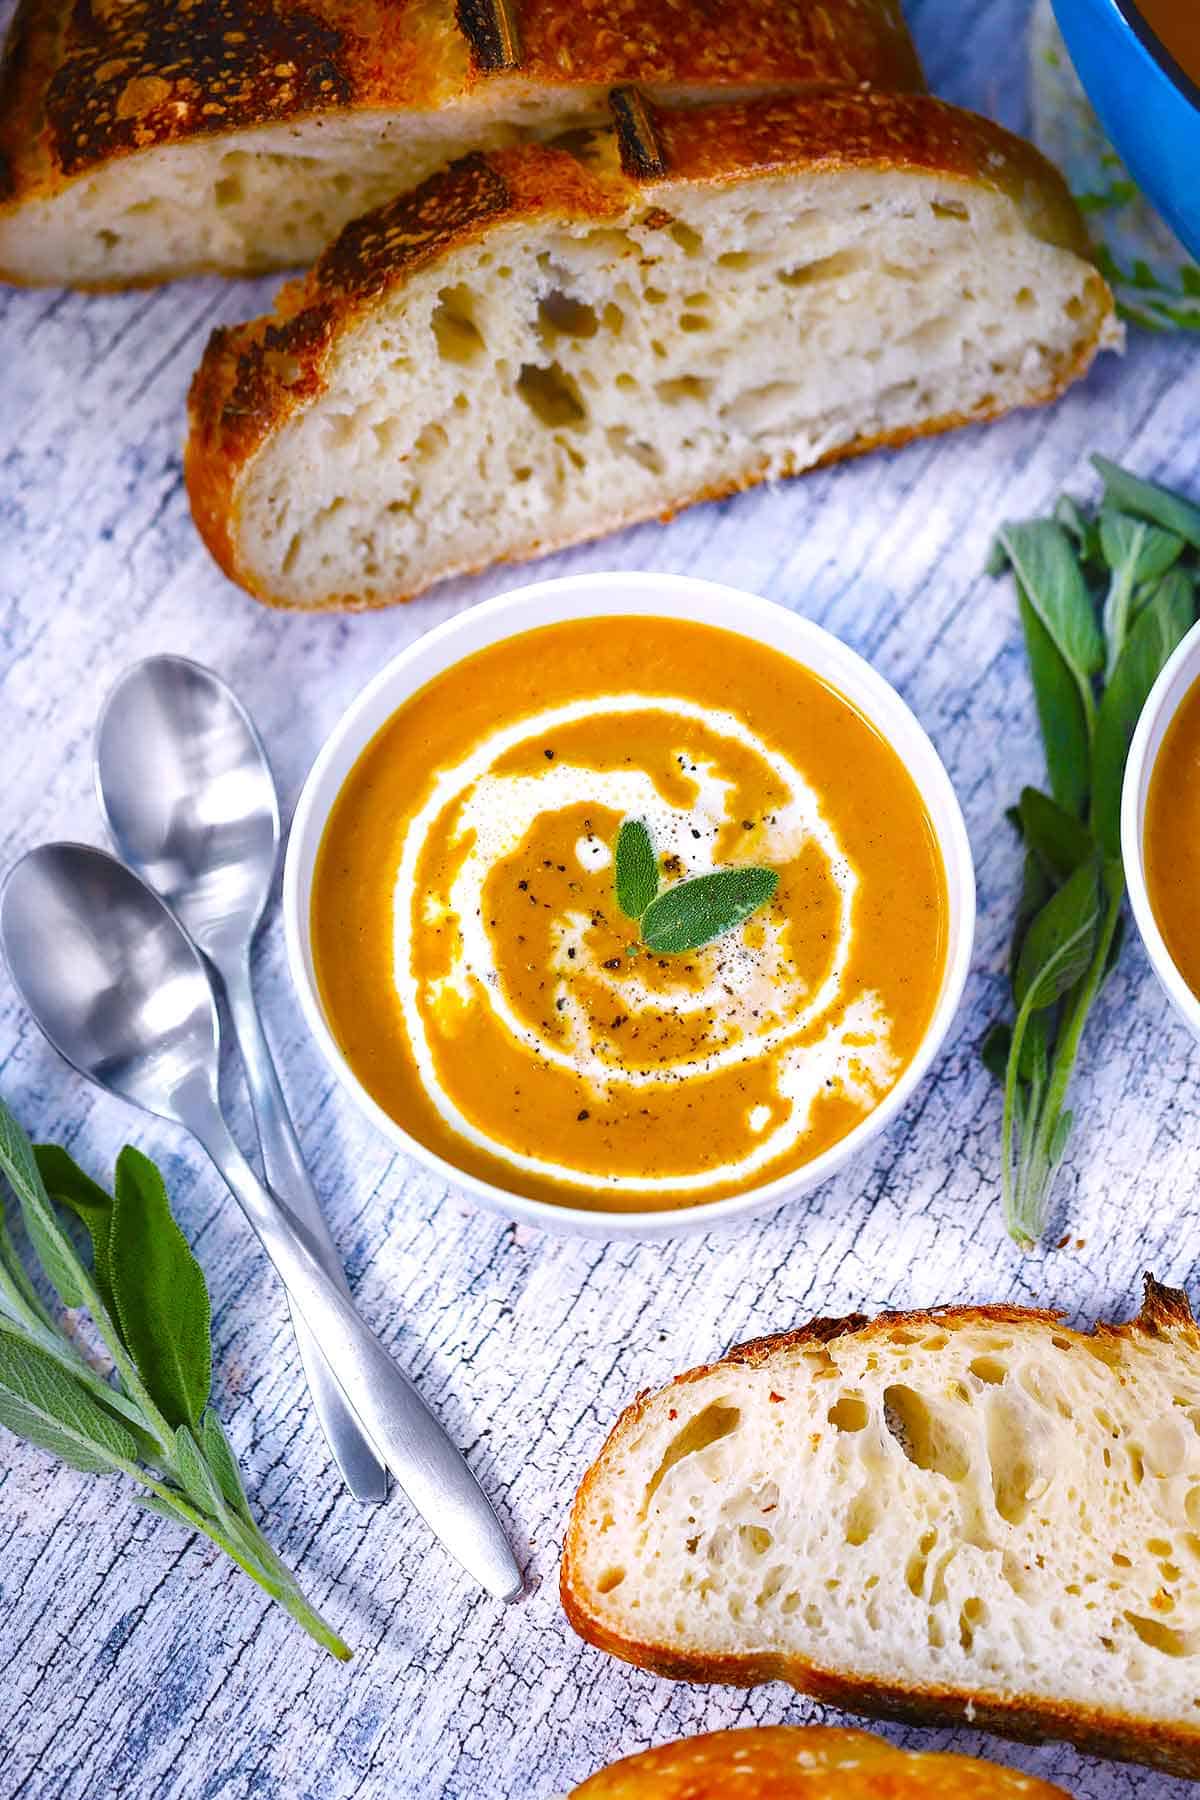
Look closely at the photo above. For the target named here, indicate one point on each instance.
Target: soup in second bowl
(1176, 24)
(628, 913)
(1171, 838)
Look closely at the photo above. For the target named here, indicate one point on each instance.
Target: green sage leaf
(693, 913)
(42, 1403)
(51, 1244)
(160, 1294)
(218, 1453)
(1146, 500)
(993, 1051)
(1048, 570)
(66, 1183)
(198, 1480)
(1036, 889)
(1060, 712)
(1058, 1143)
(636, 868)
(1155, 633)
(1058, 945)
(1059, 840)
(1147, 549)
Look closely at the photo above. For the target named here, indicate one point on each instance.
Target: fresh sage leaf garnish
(636, 868)
(693, 913)
(149, 1420)
(1103, 600)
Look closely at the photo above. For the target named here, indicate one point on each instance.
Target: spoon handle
(283, 1160)
(415, 1447)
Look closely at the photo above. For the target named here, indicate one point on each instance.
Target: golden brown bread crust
(1096, 1730)
(254, 377)
(804, 1762)
(84, 81)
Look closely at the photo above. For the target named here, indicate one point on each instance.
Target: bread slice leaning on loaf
(537, 346)
(149, 139)
(971, 1515)
(804, 1762)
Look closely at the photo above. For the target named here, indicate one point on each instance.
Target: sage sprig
(151, 1419)
(1103, 601)
(691, 913)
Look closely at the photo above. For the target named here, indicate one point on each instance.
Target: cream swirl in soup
(491, 991)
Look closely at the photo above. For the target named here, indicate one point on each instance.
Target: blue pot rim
(1150, 41)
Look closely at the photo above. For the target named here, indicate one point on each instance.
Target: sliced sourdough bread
(804, 1762)
(966, 1515)
(149, 138)
(537, 346)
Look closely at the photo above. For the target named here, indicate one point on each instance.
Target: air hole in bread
(771, 1585)
(1137, 1466)
(1164, 1638)
(758, 409)
(738, 259)
(1014, 1468)
(612, 318)
(918, 1562)
(925, 1437)
(756, 1539)
(610, 1579)
(682, 389)
(559, 315)
(862, 1517)
(551, 395)
(690, 321)
(622, 440)
(228, 191)
(459, 339)
(689, 240)
(972, 1613)
(717, 1421)
(825, 268)
(849, 1412)
(948, 209)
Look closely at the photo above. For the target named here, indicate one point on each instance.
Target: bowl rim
(1131, 12)
(627, 593)
(1176, 679)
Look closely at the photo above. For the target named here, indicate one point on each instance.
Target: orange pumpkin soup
(1176, 24)
(1171, 838)
(492, 993)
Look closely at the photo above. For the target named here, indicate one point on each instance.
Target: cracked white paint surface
(135, 1663)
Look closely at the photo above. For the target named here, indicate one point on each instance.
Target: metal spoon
(186, 791)
(120, 991)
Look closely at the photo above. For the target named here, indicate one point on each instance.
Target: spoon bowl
(112, 980)
(186, 791)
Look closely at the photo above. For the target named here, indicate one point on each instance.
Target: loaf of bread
(966, 1515)
(150, 138)
(539, 345)
(804, 1762)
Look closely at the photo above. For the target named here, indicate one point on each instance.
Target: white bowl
(1177, 676)
(591, 596)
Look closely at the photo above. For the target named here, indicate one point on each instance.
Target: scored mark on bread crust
(490, 28)
(641, 150)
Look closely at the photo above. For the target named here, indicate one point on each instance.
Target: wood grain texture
(133, 1662)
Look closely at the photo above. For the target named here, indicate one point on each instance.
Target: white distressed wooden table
(133, 1661)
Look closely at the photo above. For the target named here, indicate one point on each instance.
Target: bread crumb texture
(972, 1512)
(536, 345)
(141, 139)
(805, 1762)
